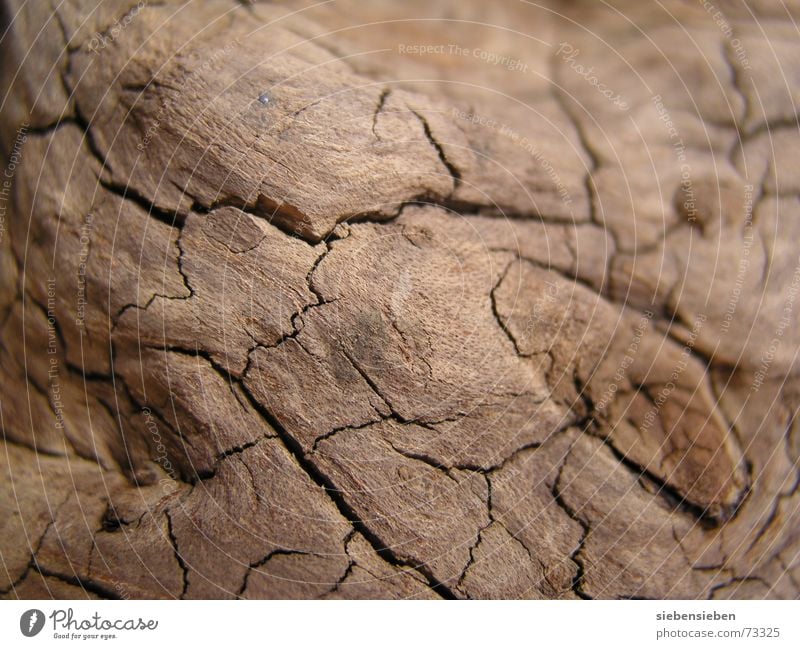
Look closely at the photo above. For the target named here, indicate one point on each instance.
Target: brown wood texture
(400, 300)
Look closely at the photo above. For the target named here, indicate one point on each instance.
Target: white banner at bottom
(399, 624)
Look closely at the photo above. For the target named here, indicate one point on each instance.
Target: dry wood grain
(292, 310)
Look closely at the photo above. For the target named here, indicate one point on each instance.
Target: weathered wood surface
(292, 309)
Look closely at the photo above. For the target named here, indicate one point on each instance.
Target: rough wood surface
(293, 309)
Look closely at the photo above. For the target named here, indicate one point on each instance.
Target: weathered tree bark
(292, 307)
